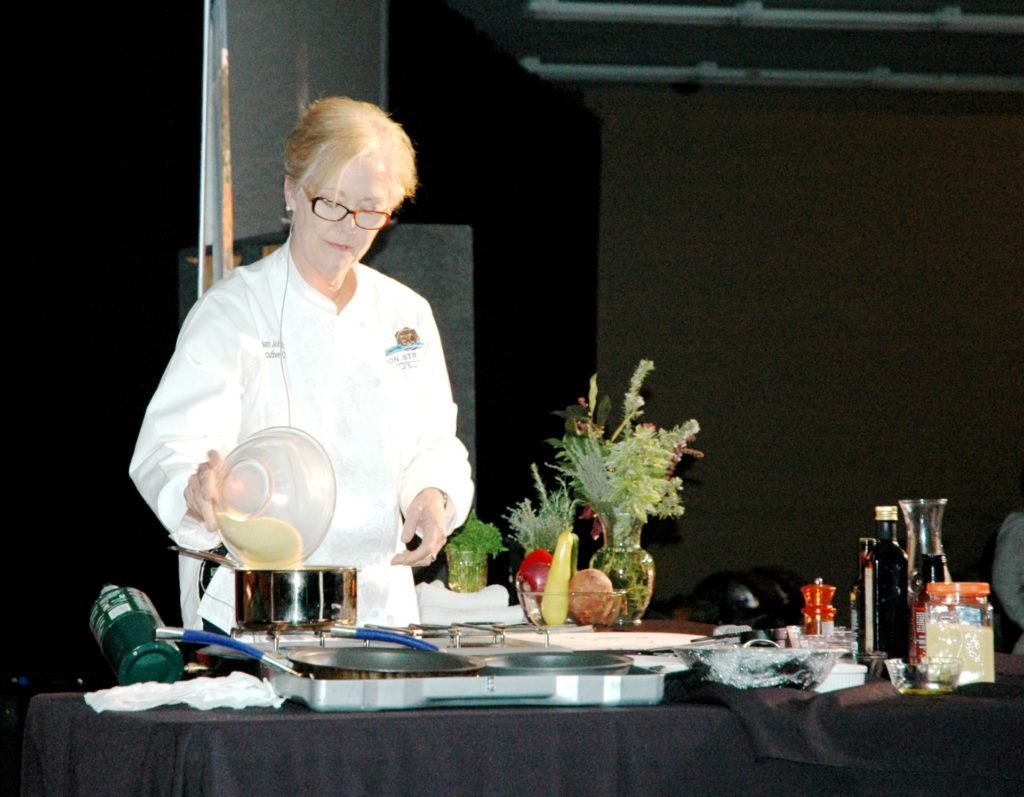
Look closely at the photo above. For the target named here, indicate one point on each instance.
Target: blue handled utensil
(194, 637)
(378, 635)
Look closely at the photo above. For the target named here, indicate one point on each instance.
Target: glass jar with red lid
(958, 623)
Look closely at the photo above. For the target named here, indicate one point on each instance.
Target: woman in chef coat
(308, 338)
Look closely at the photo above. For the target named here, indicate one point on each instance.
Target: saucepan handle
(194, 637)
(376, 635)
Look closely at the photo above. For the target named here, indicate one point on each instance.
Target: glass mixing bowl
(276, 498)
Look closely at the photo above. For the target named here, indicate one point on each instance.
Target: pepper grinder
(819, 613)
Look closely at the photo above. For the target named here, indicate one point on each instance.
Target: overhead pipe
(711, 73)
(944, 19)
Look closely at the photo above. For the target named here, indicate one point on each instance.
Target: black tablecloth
(871, 728)
(865, 740)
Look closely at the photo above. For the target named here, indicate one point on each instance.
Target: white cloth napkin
(441, 606)
(218, 602)
(236, 690)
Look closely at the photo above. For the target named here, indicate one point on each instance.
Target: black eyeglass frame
(313, 200)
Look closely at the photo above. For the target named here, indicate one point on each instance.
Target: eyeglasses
(335, 211)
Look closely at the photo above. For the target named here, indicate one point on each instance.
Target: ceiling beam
(945, 18)
(710, 73)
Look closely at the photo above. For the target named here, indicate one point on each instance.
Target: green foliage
(629, 471)
(538, 528)
(475, 535)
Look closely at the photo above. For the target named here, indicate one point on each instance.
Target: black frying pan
(373, 663)
(555, 662)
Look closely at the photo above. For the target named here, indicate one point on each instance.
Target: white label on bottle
(918, 632)
(868, 620)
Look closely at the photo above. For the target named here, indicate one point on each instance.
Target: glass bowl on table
(758, 664)
(930, 676)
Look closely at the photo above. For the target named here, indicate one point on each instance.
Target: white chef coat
(262, 348)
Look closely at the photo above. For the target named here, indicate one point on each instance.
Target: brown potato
(591, 598)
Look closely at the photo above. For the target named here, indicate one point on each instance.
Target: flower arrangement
(625, 472)
(621, 476)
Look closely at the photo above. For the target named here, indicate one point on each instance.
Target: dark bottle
(857, 602)
(886, 567)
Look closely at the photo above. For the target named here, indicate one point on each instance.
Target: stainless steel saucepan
(310, 598)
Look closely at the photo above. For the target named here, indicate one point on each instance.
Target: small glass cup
(874, 660)
(467, 570)
(931, 676)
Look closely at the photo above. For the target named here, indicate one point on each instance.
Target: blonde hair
(332, 132)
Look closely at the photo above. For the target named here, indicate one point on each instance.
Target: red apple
(534, 576)
(536, 555)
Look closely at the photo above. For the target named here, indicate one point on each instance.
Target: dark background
(104, 139)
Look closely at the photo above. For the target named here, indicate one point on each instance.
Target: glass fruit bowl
(276, 498)
(584, 608)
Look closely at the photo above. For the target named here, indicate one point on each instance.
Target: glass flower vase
(627, 564)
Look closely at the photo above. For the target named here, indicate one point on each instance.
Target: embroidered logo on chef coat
(406, 351)
(272, 349)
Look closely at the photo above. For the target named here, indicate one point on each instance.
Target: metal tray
(635, 687)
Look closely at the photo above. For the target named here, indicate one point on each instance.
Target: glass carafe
(926, 561)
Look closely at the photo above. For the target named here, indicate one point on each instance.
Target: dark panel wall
(832, 284)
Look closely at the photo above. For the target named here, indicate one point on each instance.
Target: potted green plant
(467, 550)
(537, 528)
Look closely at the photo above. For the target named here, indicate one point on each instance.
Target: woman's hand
(201, 490)
(426, 516)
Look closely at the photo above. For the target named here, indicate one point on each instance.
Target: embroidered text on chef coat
(272, 349)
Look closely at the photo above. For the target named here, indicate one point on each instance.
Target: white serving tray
(634, 687)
